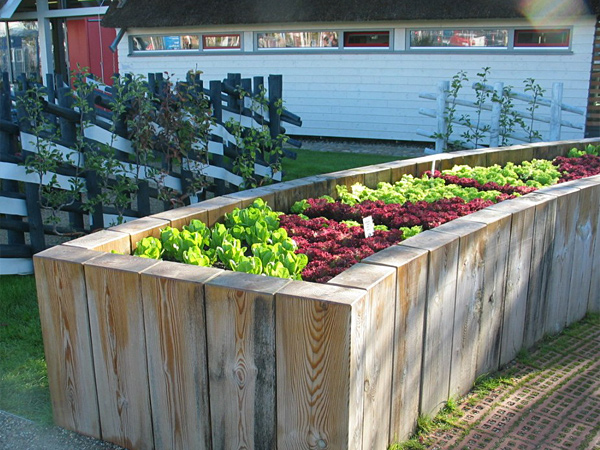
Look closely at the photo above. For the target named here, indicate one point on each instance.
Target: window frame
(134, 51)
(256, 36)
(509, 48)
(203, 37)
(466, 48)
(348, 33)
(518, 30)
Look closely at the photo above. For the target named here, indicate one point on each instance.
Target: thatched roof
(158, 13)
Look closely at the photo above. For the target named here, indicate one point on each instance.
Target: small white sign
(369, 226)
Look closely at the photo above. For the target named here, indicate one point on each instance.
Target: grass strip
(23, 374)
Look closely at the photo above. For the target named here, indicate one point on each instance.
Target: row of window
(417, 39)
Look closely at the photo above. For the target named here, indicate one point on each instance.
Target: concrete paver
(552, 404)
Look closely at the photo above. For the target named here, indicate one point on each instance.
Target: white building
(355, 69)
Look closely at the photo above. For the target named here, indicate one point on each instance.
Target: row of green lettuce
(251, 240)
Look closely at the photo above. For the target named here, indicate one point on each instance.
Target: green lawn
(310, 162)
(23, 378)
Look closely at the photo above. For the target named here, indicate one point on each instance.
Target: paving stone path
(552, 404)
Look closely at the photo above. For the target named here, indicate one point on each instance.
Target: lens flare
(547, 12)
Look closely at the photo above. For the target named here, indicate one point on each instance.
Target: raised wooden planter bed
(151, 354)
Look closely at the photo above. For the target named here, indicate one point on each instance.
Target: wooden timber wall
(150, 354)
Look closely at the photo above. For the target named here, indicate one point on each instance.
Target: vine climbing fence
(78, 156)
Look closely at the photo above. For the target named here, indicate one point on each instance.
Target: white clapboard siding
(375, 94)
(13, 206)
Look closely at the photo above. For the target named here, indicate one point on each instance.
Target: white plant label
(369, 226)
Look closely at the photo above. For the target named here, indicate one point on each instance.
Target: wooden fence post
(556, 111)
(496, 112)
(34, 218)
(68, 132)
(275, 108)
(215, 100)
(441, 141)
(8, 146)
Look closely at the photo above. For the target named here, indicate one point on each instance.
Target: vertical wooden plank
(103, 241)
(175, 326)
(63, 308)
(515, 153)
(319, 346)
(217, 207)
(495, 263)
(140, 228)
(469, 299)
(441, 294)
(247, 197)
(561, 259)
(542, 247)
(347, 178)
(586, 268)
(594, 295)
(183, 216)
(517, 275)
(411, 296)
(380, 284)
(240, 313)
(118, 341)
(425, 163)
(400, 168)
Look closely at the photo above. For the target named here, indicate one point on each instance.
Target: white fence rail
(444, 102)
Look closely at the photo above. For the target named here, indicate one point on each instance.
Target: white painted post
(495, 120)
(442, 127)
(556, 111)
(44, 38)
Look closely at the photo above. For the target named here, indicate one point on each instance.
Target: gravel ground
(17, 433)
(391, 148)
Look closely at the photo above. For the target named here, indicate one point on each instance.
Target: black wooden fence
(23, 228)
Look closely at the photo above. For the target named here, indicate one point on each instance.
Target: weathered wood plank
(400, 168)
(319, 345)
(561, 265)
(183, 216)
(474, 158)
(542, 150)
(374, 174)
(411, 297)
(585, 269)
(240, 313)
(469, 298)
(103, 241)
(380, 284)
(495, 263)
(140, 228)
(436, 161)
(63, 308)
(347, 178)
(118, 343)
(541, 261)
(217, 207)
(517, 275)
(502, 155)
(594, 295)
(248, 196)
(175, 327)
(441, 293)
(289, 192)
